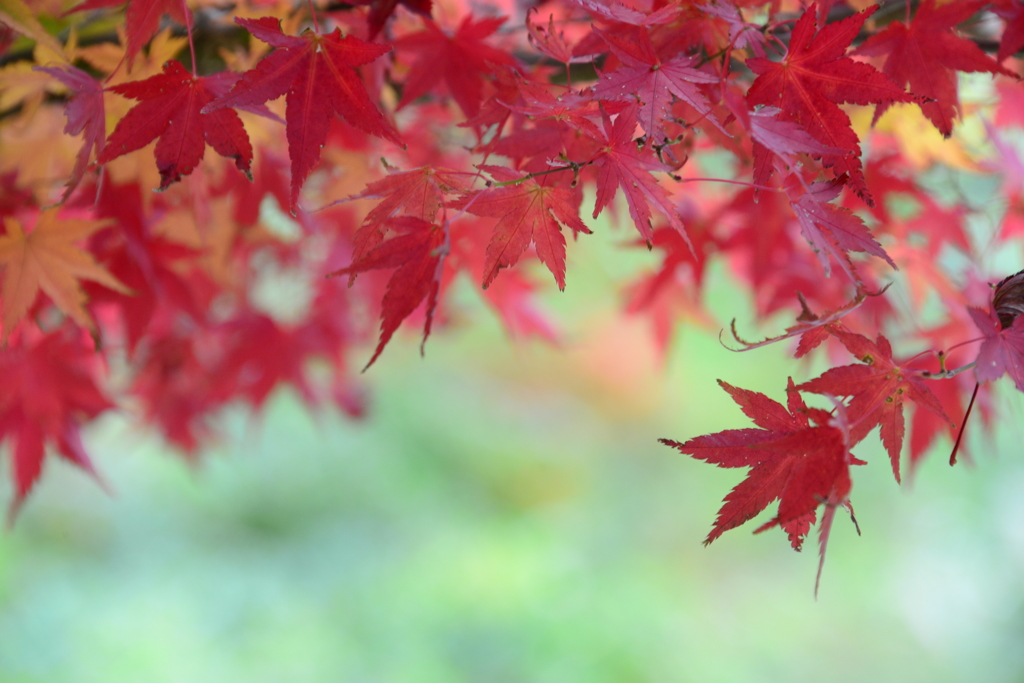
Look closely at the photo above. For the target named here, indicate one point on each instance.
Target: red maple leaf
(532, 210)
(814, 78)
(512, 297)
(926, 427)
(673, 294)
(7, 36)
(85, 114)
(316, 74)
(742, 34)
(417, 254)
(939, 224)
(418, 193)
(269, 179)
(572, 108)
(927, 54)
(615, 11)
(1012, 12)
(460, 60)
(142, 19)
(155, 269)
(47, 393)
(282, 356)
(832, 229)
(645, 77)
(799, 456)
(877, 388)
(171, 108)
(548, 41)
(172, 382)
(381, 11)
(774, 139)
(1002, 352)
(621, 164)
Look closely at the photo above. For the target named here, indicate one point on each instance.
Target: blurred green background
(506, 514)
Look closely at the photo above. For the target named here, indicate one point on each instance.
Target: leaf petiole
(572, 166)
(946, 374)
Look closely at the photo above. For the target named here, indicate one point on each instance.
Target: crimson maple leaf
(927, 54)
(783, 455)
(1002, 351)
(672, 295)
(418, 193)
(142, 19)
(615, 11)
(814, 79)
(282, 356)
(171, 108)
(513, 296)
(742, 34)
(381, 11)
(155, 269)
(832, 229)
(877, 388)
(85, 114)
(269, 178)
(530, 210)
(645, 77)
(48, 392)
(317, 75)
(621, 164)
(173, 384)
(1012, 12)
(460, 60)
(572, 108)
(7, 36)
(418, 255)
(548, 41)
(798, 455)
(926, 427)
(776, 139)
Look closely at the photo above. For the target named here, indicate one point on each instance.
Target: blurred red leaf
(417, 255)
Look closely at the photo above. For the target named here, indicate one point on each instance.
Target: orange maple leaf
(46, 258)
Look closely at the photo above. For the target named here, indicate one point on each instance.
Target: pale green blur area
(505, 513)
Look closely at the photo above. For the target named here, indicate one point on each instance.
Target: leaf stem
(960, 434)
(191, 42)
(312, 13)
(572, 166)
(713, 57)
(731, 182)
(963, 343)
(946, 374)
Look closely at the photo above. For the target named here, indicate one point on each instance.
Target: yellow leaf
(45, 259)
(103, 57)
(36, 149)
(20, 83)
(915, 137)
(162, 48)
(18, 15)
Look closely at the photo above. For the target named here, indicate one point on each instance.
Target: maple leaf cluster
(374, 153)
